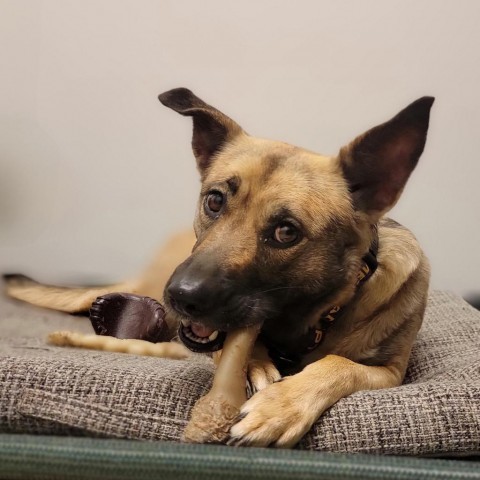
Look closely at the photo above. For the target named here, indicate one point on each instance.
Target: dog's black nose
(189, 297)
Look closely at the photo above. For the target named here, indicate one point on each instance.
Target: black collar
(314, 335)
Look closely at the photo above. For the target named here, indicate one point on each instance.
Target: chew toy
(214, 414)
(125, 315)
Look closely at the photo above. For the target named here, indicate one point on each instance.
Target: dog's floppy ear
(377, 164)
(211, 128)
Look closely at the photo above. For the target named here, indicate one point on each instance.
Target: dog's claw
(233, 442)
(240, 417)
(274, 417)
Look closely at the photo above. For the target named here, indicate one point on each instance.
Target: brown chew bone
(215, 413)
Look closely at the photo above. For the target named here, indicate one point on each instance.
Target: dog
(297, 242)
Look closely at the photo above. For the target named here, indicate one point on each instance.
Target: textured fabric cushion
(53, 390)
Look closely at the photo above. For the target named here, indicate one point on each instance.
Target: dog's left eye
(285, 234)
(214, 203)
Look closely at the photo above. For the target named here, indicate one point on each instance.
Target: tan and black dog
(296, 241)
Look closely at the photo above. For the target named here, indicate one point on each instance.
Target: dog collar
(315, 335)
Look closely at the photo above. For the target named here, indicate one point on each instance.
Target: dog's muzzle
(194, 293)
(209, 302)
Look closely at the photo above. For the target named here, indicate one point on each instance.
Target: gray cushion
(54, 390)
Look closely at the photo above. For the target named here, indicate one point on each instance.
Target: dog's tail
(150, 282)
(71, 300)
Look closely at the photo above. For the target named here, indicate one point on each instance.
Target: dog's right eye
(285, 234)
(214, 203)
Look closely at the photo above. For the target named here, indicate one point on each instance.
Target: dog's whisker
(278, 288)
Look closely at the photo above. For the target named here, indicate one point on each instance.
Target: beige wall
(94, 172)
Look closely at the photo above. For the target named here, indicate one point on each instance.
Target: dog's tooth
(213, 336)
(185, 322)
(190, 335)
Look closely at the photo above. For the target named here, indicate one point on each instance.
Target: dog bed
(63, 391)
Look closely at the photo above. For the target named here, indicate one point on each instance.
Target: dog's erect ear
(377, 164)
(211, 128)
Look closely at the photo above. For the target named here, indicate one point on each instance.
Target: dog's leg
(282, 413)
(112, 344)
(261, 370)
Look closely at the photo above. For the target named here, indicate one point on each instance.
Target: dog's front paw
(261, 373)
(280, 415)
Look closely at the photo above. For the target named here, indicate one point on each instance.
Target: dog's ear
(211, 128)
(377, 164)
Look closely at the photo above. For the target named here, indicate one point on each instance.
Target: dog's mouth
(200, 338)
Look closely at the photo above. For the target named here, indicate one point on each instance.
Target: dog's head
(281, 231)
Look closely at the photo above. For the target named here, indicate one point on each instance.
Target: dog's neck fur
(288, 359)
